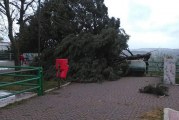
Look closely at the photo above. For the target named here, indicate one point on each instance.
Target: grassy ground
(155, 73)
(11, 87)
(52, 84)
(156, 114)
(46, 84)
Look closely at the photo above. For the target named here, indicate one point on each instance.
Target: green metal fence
(177, 73)
(156, 69)
(6, 56)
(20, 79)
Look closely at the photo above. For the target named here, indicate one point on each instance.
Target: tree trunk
(16, 56)
(10, 35)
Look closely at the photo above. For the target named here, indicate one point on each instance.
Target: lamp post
(39, 13)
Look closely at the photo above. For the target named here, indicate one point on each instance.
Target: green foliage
(60, 18)
(82, 32)
(89, 56)
(29, 43)
(158, 89)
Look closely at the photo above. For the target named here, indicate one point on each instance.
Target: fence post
(40, 81)
(169, 70)
(10, 56)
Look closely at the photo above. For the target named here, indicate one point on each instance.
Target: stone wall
(169, 70)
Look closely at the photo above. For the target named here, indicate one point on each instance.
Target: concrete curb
(170, 114)
(18, 99)
(49, 90)
(166, 117)
(31, 95)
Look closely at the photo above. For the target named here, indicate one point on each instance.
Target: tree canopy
(81, 31)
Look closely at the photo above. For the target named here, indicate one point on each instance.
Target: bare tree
(16, 13)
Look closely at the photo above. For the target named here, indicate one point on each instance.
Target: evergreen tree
(82, 32)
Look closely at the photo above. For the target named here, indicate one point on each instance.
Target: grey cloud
(138, 12)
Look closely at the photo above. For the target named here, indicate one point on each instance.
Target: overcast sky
(150, 23)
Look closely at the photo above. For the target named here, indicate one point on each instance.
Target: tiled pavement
(116, 100)
(6, 63)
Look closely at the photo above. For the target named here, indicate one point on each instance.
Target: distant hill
(167, 51)
(158, 52)
(152, 49)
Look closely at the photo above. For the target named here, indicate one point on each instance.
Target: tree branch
(1, 5)
(12, 12)
(124, 54)
(32, 8)
(26, 19)
(129, 51)
(2, 11)
(28, 5)
(3, 21)
(15, 5)
(13, 19)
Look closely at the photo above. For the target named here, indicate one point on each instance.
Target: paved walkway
(117, 100)
(6, 63)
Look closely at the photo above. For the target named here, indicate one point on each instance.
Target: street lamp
(39, 13)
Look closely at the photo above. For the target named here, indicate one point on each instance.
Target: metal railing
(177, 68)
(6, 56)
(177, 73)
(156, 69)
(26, 78)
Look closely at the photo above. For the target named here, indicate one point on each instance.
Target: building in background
(5, 50)
(4, 46)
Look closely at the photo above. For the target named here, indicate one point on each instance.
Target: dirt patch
(156, 114)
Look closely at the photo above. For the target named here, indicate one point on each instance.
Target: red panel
(62, 68)
(63, 74)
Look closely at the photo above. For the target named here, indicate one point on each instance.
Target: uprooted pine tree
(86, 36)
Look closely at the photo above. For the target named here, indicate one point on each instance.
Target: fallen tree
(82, 32)
(127, 62)
(124, 57)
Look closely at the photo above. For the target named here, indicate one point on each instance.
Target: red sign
(62, 68)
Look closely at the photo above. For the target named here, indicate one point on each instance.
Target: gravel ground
(116, 100)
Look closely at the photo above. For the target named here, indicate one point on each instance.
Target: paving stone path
(116, 100)
(6, 63)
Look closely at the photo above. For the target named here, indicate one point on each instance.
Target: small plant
(158, 89)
